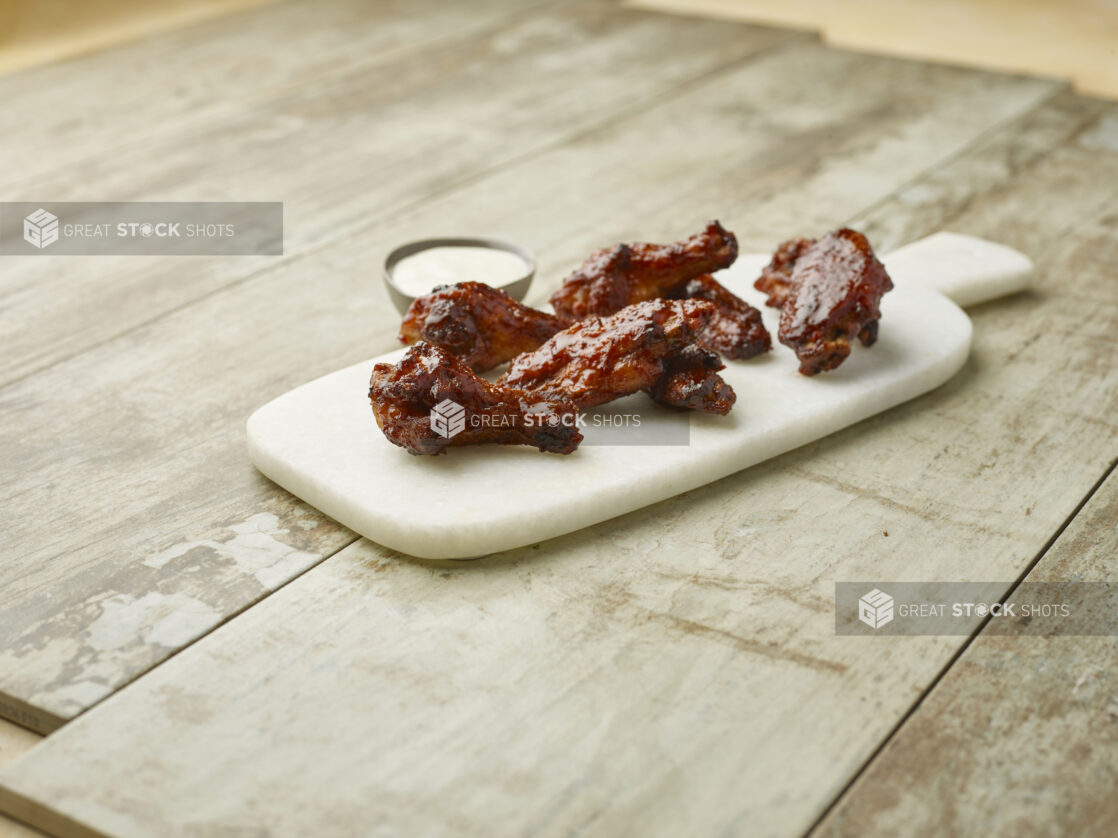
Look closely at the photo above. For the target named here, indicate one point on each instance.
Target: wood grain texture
(128, 601)
(341, 141)
(1020, 735)
(1073, 39)
(190, 534)
(213, 72)
(78, 130)
(674, 671)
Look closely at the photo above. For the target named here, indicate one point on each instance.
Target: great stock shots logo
(40, 228)
(875, 609)
(625, 422)
(141, 228)
(448, 418)
(1039, 609)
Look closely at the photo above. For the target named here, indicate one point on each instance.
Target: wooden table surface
(257, 668)
(1072, 39)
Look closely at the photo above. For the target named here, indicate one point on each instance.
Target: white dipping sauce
(418, 274)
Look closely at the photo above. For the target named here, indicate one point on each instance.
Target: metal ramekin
(517, 289)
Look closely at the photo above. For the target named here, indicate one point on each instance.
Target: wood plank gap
(19, 713)
(15, 741)
(958, 653)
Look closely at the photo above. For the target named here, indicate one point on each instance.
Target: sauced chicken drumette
(736, 331)
(604, 358)
(482, 325)
(829, 291)
(431, 390)
(616, 277)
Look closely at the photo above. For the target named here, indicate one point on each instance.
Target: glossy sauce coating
(482, 325)
(736, 331)
(603, 358)
(613, 278)
(690, 382)
(404, 394)
(834, 294)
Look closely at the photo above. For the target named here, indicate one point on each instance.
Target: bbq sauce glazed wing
(631, 273)
(835, 293)
(404, 394)
(482, 325)
(691, 382)
(604, 358)
(736, 330)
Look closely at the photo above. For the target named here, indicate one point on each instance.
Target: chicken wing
(431, 400)
(691, 382)
(604, 358)
(482, 325)
(834, 293)
(776, 277)
(631, 273)
(736, 330)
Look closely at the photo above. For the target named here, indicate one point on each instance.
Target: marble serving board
(320, 441)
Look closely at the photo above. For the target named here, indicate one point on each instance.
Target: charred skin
(611, 279)
(691, 382)
(404, 394)
(833, 294)
(482, 325)
(736, 331)
(604, 358)
(776, 277)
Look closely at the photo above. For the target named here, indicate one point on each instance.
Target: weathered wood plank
(359, 140)
(1074, 40)
(61, 115)
(15, 741)
(1068, 141)
(149, 526)
(1019, 737)
(672, 671)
